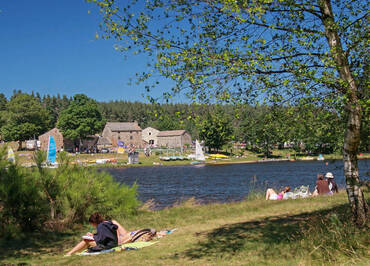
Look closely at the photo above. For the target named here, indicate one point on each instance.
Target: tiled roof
(50, 132)
(150, 128)
(123, 126)
(171, 133)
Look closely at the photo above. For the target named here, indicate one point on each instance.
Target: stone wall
(58, 137)
(150, 135)
(60, 142)
(174, 141)
(128, 137)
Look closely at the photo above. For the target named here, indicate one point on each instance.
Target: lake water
(167, 185)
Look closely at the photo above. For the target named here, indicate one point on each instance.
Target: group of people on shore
(325, 186)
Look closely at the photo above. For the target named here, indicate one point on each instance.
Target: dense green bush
(69, 194)
(85, 191)
(21, 205)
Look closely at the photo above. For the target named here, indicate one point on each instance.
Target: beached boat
(102, 161)
(172, 158)
(218, 156)
(320, 158)
(199, 155)
(307, 158)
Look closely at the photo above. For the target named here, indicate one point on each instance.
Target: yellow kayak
(218, 156)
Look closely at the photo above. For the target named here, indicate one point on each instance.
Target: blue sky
(49, 46)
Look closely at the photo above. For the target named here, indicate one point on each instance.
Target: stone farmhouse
(66, 144)
(173, 138)
(149, 135)
(60, 142)
(127, 132)
(103, 143)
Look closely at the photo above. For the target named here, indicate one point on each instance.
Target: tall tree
(25, 118)
(3, 102)
(81, 118)
(264, 127)
(242, 49)
(313, 128)
(215, 129)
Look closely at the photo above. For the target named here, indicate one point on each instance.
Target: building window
(151, 141)
(131, 137)
(150, 133)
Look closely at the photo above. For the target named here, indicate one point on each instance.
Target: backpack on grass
(144, 235)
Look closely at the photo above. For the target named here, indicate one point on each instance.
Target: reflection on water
(222, 183)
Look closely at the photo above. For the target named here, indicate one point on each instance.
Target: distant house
(150, 136)
(127, 132)
(173, 138)
(103, 142)
(67, 145)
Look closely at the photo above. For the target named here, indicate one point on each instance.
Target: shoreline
(187, 163)
(212, 163)
(114, 161)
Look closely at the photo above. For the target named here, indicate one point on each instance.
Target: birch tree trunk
(356, 198)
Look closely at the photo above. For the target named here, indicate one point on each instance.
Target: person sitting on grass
(332, 185)
(105, 237)
(322, 186)
(272, 195)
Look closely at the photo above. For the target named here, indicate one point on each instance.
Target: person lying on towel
(141, 235)
(105, 237)
(110, 234)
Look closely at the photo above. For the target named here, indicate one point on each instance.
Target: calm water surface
(167, 185)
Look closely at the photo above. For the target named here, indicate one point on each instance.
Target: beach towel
(124, 247)
(129, 246)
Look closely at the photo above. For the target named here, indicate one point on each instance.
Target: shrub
(85, 191)
(31, 196)
(21, 206)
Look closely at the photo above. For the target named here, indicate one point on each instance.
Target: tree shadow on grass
(231, 239)
(35, 244)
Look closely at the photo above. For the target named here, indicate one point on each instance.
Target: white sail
(199, 156)
(11, 157)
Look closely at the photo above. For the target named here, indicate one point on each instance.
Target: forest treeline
(308, 127)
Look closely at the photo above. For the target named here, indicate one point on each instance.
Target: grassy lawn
(251, 232)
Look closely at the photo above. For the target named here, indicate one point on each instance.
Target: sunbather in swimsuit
(272, 195)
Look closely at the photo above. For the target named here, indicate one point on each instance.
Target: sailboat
(199, 155)
(320, 158)
(11, 157)
(51, 153)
